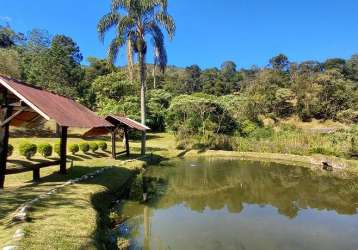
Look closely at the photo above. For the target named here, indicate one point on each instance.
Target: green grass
(52, 220)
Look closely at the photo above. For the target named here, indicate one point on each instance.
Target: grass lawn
(69, 219)
(73, 218)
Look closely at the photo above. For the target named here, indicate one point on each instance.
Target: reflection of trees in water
(223, 183)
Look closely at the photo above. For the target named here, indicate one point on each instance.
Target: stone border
(21, 214)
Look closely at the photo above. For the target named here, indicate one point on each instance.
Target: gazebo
(118, 122)
(23, 105)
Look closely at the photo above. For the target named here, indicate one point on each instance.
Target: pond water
(231, 204)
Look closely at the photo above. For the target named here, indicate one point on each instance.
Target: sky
(209, 32)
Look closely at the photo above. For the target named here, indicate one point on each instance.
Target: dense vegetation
(219, 108)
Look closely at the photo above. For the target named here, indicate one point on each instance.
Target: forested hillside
(197, 103)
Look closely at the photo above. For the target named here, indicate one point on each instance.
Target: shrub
(222, 142)
(103, 145)
(74, 148)
(247, 127)
(10, 149)
(45, 149)
(84, 147)
(348, 116)
(262, 133)
(93, 146)
(57, 148)
(28, 150)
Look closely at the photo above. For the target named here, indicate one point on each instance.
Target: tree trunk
(130, 61)
(155, 76)
(141, 62)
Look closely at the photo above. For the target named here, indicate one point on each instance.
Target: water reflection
(215, 184)
(209, 202)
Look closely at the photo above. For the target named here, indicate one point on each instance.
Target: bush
(10, 149)
(45, 149)
(74, 148)
(262, 133)
(28, 150)
(348, 116)
(247, 127)
(57, 148)
(84, 147)
(222, 142)
(93, 146)
(103, 145)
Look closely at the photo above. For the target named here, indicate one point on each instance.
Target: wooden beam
(4, 140)
(113, 137)
(63, 150)
(122, 152)
(8, 120)
(126, 140)
(23, 169)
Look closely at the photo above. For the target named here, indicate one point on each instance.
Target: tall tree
(56, 68)
(9, 38)
(280, 63)
(228, 68)
(135, 21)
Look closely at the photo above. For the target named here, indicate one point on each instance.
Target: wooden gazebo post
(126, 136)
(113, 137)
(63, 150)
(4, 138)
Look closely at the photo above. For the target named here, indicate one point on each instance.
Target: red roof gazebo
(27, 106)
(117, 122)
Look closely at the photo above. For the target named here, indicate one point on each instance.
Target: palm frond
(124, 25)
(106, 22)
(167, 22)
(114, 47)
(117, 4)
(160, 57)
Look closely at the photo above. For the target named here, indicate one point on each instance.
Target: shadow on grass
(12, 197)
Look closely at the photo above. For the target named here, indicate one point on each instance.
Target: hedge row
(28, 150)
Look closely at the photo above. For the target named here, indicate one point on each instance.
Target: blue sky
(209, 32)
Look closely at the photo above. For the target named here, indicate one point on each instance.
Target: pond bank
(340, 165)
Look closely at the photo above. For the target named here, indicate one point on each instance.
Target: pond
(231, 204)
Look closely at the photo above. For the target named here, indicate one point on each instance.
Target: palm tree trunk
(141, 62)
(155, 76)
(130, 60)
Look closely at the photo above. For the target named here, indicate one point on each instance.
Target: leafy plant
(45, 149)
(93, 146)
(103, 145)
(84, 147)
(74, 148)
(28, 150)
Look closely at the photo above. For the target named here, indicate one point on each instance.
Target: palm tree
(134, 22)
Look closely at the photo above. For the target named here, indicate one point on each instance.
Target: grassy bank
(76, 217)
